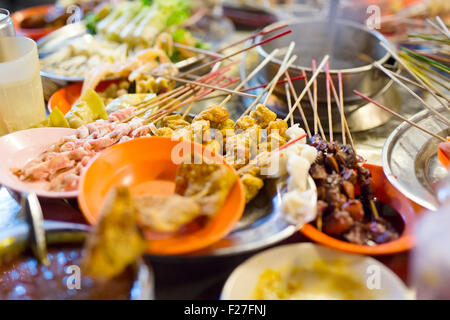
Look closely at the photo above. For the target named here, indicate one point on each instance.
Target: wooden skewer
(418, 85)
(288, 98)
(198, 50)
(336, 99)
(398, 115)
(300, 108)
(260, 33)
(394, 54)
(234, 54)
(251, 75)
(274, 80)
(330, 115)
(430, 108)
(283, 67)
(280, 82)
(341, 101)
(316, 115)
(314, 76)
(201, 84)
(310, 98)
(443, 26)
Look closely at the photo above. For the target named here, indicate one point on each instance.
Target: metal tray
(410, 161)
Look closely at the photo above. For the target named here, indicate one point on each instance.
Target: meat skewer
(399, 116)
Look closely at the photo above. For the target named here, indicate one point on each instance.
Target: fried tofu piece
(245, 122)
(183, 134)
(166, 213)
(263, 115)
(208, 183)
(164, 132)
(213, 113)
(227, 124)
(117, 240)
(201, 130)
(275, 140)
(252, 185)
(214, 146)
(278, 126)
(174, 122)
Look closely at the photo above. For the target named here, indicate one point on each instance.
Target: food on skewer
(339, 174)
(120, 38)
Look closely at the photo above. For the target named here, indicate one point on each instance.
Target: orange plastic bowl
(65, 97)
(386, 193)
(145, 166)
(33, 33)
(445, 161)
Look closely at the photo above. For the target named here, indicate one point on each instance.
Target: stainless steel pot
(14, 241)
(352, 49)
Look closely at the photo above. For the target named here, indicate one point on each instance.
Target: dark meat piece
(381, 231)
(337, 222)
(349, 175)
(349, 189)
(355, 208)
(332, 164)
(357, 234)
(334, 197)
(318, 172)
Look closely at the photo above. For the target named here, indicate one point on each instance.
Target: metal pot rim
(348, 23)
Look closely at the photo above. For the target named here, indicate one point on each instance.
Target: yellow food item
(252, 185)
(278, 126)
(116, 240)
(263, 115)
(322, 280)
(213, 113)
(88, 108)
(245, 122)
(57, 119)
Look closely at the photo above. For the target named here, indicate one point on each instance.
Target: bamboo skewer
(251, 75)
(398, 115)
(288, 98)
(201, 84)
(235, 53)
(282, 69)
(198, 50)
(337, 100)
(430, 108)
(313, 77)
(316, 102)
(274, 80)
(280, 82)
(418, 85)
(260, 33)
(342, 110)
(300, 108)
(412, 73)
(330, 115)
(310, 97)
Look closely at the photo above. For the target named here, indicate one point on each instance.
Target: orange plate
(145, 166)
(445, 161)
(35, 33)
(65, 97)
(386, 193)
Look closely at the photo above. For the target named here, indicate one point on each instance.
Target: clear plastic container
(6, 24)
(21, 96)
(430, 263)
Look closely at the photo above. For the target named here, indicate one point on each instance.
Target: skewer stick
(260, 33)
(394, 54)
(314, 76)
(288, 98)
(399, 116)
(336, 99)
(418, 85)
(443, 26)
(201, 84)
(300, 108)
(430, 108)
(316, 116)
(341, 101)
(274, 80)
(251, 75)
(310, 97)
(235, 53)
(330, 115)
(198, 50)
(281, 70)
(188, 109)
